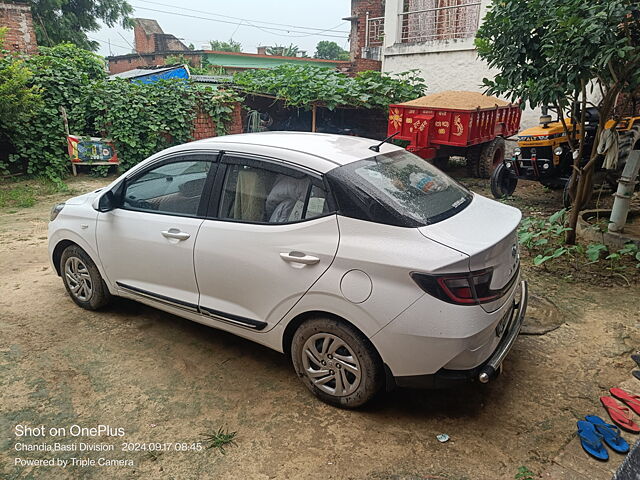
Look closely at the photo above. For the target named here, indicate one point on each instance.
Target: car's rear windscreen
(397, 188)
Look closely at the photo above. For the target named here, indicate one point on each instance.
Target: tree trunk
(585, 179)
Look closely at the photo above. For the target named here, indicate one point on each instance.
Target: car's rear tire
(503, 183)
(82, 279)
(336, 362)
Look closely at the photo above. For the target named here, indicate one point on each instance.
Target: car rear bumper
(483, 373)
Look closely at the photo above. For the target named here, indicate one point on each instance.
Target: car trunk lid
(486, 231)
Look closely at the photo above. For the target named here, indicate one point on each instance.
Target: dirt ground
(165, 379)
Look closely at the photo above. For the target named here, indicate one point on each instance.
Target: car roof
(320, 151)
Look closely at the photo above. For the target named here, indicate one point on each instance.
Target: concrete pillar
(392, 25)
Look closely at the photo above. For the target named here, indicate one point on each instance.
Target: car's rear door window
(261, 192)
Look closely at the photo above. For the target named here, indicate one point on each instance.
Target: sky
(251, 22)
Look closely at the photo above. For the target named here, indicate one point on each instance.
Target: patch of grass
(220, 439)
(524, 474)
(22, 196)
(25, 193)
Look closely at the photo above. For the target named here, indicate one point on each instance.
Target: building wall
(445, 65)
(204, 127)
(124, 63)
(20, 35)
(361, 58)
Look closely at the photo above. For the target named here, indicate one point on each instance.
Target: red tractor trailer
(452, 123)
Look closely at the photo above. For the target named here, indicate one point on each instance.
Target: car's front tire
(336, 362)
(82, 279)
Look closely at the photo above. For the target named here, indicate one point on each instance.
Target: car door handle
(175, 233)
(299, 257)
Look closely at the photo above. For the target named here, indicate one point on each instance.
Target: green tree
(284, 51)
(562, 58)
(330, 51)
(230, 46)
(68, 21)
(18, 97)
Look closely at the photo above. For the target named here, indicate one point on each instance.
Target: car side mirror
(107, 202)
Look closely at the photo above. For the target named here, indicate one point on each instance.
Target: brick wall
(364, 64)
(144, 43)
(359, 9)
(129, 62)
(204, 127)
(20, 35)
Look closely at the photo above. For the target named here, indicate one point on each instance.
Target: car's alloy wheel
(331, 365)
(78, 279)
(82, 279)
(336, 362)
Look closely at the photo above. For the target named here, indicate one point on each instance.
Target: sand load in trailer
(456, 123)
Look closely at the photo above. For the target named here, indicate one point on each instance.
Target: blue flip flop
(610, 434)
(591, 440)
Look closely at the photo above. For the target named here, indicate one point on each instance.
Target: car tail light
(460, 289)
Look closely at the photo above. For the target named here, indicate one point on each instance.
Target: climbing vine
(141, 119)
(303, 85)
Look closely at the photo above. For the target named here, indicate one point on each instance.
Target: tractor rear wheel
(441, 162)
(473, 160)
(492, 155)
(503, 182)
(567, 201)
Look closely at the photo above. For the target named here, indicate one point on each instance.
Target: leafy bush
(18, 98)
(62, 75)
(302, 85)
(544, 238)
(140, 118)
(145, 118)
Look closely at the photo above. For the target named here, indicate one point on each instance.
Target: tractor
(543, 154)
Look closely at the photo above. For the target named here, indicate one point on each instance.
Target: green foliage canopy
(303, 85)
(18, 98)
(143, 119)
(230, 46)
(328, 50)
(543, 58)
(284, 50)
(140, 118)
(68, 21)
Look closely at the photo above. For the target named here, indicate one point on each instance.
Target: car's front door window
(173, 188)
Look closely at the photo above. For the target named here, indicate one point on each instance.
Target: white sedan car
(364, 263)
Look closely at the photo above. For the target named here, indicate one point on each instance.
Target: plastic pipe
(626, 185)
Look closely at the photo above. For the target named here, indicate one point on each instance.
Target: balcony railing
(375, 31)
(434, 20)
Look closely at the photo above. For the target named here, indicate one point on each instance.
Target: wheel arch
(287, 339)
(56, 255)
(295, 322)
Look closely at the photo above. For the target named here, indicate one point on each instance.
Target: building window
(435, 20)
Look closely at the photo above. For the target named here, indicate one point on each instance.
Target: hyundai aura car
(367, 265)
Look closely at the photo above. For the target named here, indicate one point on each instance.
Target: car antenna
(376, 148)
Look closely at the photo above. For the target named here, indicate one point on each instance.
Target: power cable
(305, 34)
(242, 19)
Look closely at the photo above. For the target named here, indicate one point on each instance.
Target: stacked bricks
(204, 127)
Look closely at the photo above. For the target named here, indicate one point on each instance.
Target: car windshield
(397, 188)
